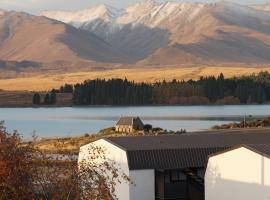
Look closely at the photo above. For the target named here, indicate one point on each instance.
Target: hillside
(25, 37)
(139, 74)
(174, 33)
(145, 38)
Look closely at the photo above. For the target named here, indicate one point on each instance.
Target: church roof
(127, 121)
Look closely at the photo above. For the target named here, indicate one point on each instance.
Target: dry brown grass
(24, 99)
(47, 82)
(14, 99)
(72, 144)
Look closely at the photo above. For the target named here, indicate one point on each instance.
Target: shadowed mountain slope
(179, 33)
(146, 33)
(39, 39)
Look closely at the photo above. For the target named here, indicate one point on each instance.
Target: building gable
(238, 173)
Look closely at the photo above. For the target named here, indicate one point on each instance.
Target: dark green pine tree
(53, 97)
(248, 89)
(47, 99)
(36, 99)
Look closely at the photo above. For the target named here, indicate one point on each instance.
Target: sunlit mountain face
(146, 33)
(173, 33)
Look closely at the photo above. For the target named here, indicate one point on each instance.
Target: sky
(36, 6)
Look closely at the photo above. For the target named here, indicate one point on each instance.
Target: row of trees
(206, 90)
(48, 99)
(28, 174)
(112, 92)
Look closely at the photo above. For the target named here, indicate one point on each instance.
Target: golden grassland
(47, 82)
(73, 144)
(62, 145)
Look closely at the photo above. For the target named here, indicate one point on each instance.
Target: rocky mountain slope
(145, 34)
(39, 39)
(174, 33)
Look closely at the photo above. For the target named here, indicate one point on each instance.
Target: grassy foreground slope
(73, 144)
(47, 82)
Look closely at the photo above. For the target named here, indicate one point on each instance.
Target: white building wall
(143, 181)
(143, 187)
(240, 174)
(117, 155)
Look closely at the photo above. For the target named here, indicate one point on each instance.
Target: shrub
(27, 173)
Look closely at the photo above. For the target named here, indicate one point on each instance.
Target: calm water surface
(58, 122)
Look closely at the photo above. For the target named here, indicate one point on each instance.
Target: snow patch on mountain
(102, 12)
(148, 27)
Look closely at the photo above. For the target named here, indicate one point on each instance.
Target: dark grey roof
(125, 121)
(263, 148)
(175, 152)
(170, 158)
(128, 121)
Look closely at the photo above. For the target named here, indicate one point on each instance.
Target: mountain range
(146, 34)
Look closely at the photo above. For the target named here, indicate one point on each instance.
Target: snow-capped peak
(167, 15)
(102, 11)
(152, 13)
(148, 3)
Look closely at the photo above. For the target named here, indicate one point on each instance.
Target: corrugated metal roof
(188, 141)
(170, 158)
(175, 152)
(263, 148)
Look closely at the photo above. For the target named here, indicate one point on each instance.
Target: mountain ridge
(151, 31)
(146, 33)
(39, 39)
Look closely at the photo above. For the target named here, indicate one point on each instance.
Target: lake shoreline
(73, 121)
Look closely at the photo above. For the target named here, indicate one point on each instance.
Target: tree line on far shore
(47, 99)
(252, 89)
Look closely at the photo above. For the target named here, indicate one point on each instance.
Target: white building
(242, 173)
(171, 167)
(142, 178)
